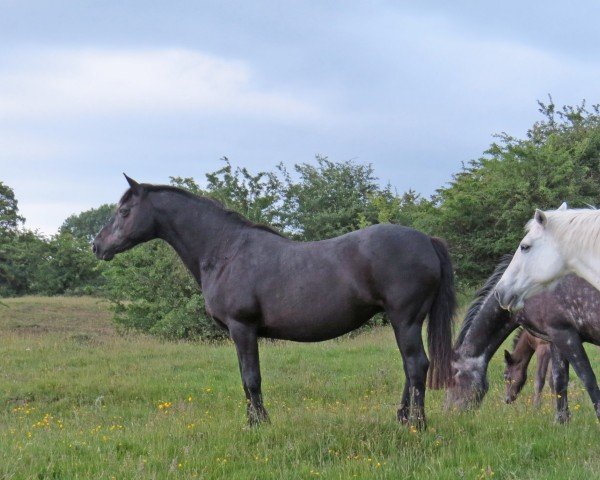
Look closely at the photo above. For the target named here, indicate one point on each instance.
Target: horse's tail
(439, 327)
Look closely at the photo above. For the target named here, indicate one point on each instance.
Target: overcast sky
(92, 89)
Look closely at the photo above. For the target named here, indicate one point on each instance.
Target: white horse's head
(537, 263)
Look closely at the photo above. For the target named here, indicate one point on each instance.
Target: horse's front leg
(246, 343)
(570, 346)
(560, 378)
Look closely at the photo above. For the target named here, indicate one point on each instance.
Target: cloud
(88, 82)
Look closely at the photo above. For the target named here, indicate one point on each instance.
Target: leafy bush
(152, 291)
(482, 212)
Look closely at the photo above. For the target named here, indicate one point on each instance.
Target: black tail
(439, 327)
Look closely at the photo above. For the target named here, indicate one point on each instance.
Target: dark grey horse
(257, 283)
(565, 316)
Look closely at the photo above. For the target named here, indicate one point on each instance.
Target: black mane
(200, 198)
(480, 297)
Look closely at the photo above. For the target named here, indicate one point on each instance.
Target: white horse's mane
(577, 230)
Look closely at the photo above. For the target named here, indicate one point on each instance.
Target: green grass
(79, 401)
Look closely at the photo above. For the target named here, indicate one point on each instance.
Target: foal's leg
(416, 364)
(550, 377)
(246, 344)
(572, 349)
(543, 359)
(560, 376)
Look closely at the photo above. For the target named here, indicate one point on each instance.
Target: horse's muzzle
(506, 300)
(100, 254)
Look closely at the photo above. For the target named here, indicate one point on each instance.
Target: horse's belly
(314, 326)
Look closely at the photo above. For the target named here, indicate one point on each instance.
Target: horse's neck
(523, 350)
(489, 329)
(587, 267)
(198, 232)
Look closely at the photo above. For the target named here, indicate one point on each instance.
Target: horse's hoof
(402, 416)
(563, 417)
(417, 424)
(254, 422)
(256, 417)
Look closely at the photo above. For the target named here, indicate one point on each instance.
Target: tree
(87, 224)
(23, 252)
(483, 211)
(9, 211)
(328, 199)
(257, 197)
(69, 267)
(10, 220)
(33, 264)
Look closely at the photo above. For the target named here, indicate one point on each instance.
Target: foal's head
(515, 375)
(132, 224)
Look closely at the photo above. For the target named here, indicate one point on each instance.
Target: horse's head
(536, 264)
(469, 383)
(515, 375)
(133, 223)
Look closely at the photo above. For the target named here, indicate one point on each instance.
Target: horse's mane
(204, 200)
(480, 298)
(577, 229)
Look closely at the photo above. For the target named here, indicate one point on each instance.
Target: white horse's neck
(588, 268)
(577, 232)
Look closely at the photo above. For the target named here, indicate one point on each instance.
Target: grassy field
(79, 401)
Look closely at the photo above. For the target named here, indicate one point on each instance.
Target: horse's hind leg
(560, 377)
(408, 336)
(404, 409)
(570, 346)
(246, 343)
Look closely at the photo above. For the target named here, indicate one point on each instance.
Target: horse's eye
(525, 247)
(124, 212)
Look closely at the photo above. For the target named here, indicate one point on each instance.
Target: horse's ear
(563, 206)
(135, 186)
(540, 217)
(508, 358)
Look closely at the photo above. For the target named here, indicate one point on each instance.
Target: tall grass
(79, 401)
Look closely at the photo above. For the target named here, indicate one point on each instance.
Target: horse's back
(360, 272)
(382, 251)
(573, 303)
